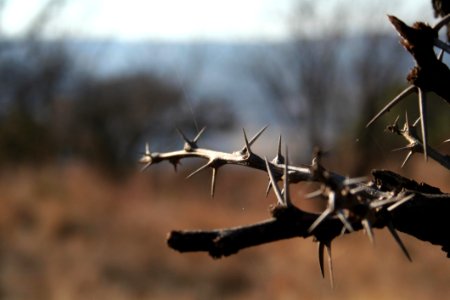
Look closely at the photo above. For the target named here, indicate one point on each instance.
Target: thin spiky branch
(429, 75)
(353, 203)
(408, 132)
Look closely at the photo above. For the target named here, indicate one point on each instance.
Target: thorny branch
(353, 204)
(388, 200)
(429, 75)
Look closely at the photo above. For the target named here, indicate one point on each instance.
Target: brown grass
(68, 233)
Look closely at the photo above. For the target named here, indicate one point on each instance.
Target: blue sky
(196, 19)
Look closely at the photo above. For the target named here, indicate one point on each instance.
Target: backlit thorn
(146, 158)
(356, 180)
(408, 156)
(188, 144)
(275, 187)
(279, 159)
(248, 143)
(446, 141)
(199, 135)
(441, 23)
(269, 187)
(330, 263)
(328, 211)
(397, 239)
(343, 218)
(423, 115)
(400, 202)
(314, 194)
(213, 181)
(199, 169)
(406, 92)
(286, 194)
(368, 228)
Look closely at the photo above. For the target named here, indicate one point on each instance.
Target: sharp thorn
(408, 156)
(394, 233)
(198, 170)
(344, 221)
(423, 116)
(321, 249)
(147, 149)
(279, 147)
(198, 135)
(287, 200)
(314, 194)
(368, 228)
(319, 219)
(350, 181)
(400, 202)
(183, 136)
(330, 263)
(213, 181)
(247, 144)
(275, 187)
(269, 187)
(257, 135)
(406, 118)
(407, 147)
(406, 92)
(416, 122)
(146, 166)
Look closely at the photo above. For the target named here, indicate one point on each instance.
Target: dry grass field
(69, 233)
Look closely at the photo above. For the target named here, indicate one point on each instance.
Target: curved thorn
(406, 92)
(199, 170)
(213, 181)
(321, 248)
(423, 116)
(394, 233)
(198, 135)
(257, 135)
(275, 187)
(441, 23)
(368, 228)
(147, 149)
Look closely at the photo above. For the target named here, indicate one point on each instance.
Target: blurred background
(85, 84)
